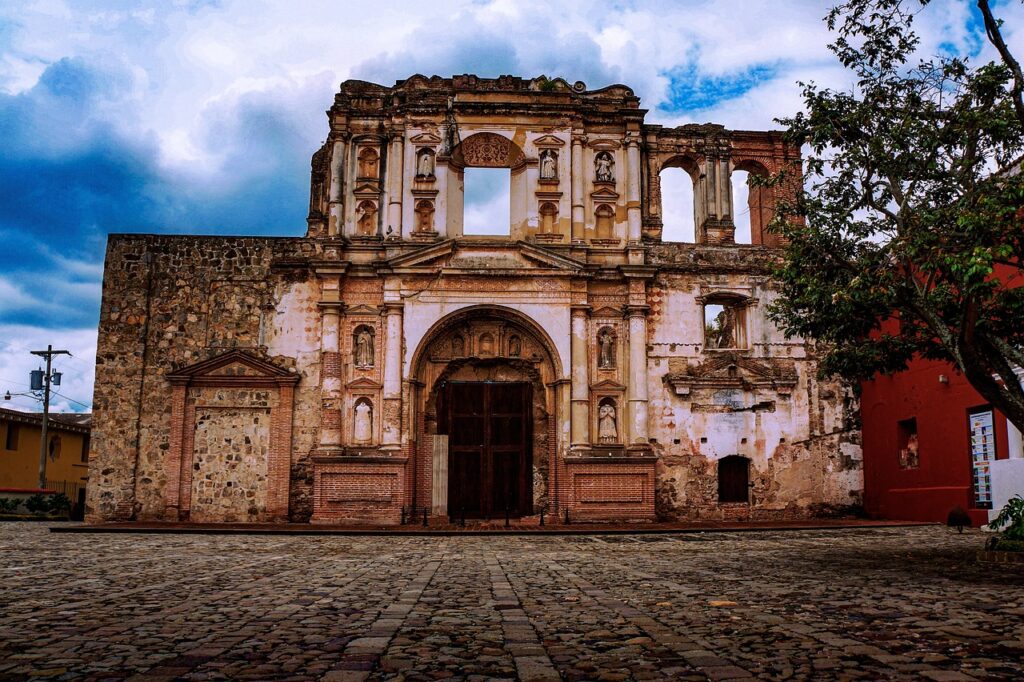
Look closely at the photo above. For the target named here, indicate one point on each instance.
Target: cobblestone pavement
(888, 603)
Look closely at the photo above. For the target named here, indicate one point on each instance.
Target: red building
(932, 443)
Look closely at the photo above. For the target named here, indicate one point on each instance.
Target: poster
(983, 451)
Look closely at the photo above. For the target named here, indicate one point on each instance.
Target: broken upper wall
(710, 154)
(584, 169)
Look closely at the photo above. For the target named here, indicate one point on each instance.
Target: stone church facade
(386, 363)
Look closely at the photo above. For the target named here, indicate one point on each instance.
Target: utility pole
(48, 354)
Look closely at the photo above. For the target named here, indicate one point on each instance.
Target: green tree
(907, 237)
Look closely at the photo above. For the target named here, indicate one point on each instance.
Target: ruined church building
(387, 362)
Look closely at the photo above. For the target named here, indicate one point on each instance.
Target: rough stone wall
(169, 302)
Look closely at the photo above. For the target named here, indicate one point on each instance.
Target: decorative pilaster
(633, 213)
(392, 415)
(580, 392)
(396, 158)
(636, 395)
(330, 372)
(578, 217)
(335, 197)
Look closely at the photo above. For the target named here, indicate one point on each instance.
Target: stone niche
(230, 446)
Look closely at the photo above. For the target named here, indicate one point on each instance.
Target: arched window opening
(753, 204)
(725, 323)
(678, 214)
(741, 205)
(487, 204)
(734, 479)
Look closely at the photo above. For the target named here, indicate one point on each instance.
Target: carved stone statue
(548, 164)
(425, 164)
(367, 224)
(604, 167)
(606, 349)
(607, 431)
(363, 348)
(458, 346)
(515, 347)
(362, 430)
(726, 337)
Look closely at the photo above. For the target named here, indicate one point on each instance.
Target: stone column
(580, 392)
(392, 413)
(335, 196)
(578, 219)
(637, 390)
(396, 159)
(633, 215)
(330, 375)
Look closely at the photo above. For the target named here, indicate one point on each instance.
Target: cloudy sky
(200, 116)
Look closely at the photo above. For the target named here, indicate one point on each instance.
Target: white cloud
(78, 371)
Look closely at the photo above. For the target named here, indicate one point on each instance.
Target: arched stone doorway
(484, 382)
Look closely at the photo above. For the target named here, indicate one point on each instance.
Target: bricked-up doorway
(489, 454)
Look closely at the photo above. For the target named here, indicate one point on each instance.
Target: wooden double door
(489, 449)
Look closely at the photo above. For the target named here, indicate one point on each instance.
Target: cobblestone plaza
(880, 603)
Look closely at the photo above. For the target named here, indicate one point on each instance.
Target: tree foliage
(908, 237)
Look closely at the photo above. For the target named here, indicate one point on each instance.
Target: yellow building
(67, 464)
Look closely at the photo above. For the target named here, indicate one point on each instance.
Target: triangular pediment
(425, 139)
(362, 309)
(363, 384)
(604, 194)
(732, 370)
(549, 141)
(234, 363)
(607, 311)
(454, 256)
(366, 189)
(607, 385)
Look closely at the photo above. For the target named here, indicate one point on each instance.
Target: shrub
(9, 506)
(37, 504)
(958, 518)
(1011, 516)
(59, 503)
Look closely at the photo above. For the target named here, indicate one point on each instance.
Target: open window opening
(725, 324)
(906, 439)
(741, 205)
(487, 201)
(678, 210)
(753, 204)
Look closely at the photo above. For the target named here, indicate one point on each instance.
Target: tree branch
(995, 37)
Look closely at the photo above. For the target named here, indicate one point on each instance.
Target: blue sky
(200, 117)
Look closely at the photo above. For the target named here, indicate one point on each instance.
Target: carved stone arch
(690, 164)
(435, 364)
(487, 150)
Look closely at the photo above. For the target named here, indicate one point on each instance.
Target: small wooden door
(734, 479)
(489, 449)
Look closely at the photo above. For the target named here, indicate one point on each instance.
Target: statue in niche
(604, 167)
(363, 345)
(607, 430)
(486, 345)
(548, 164)
(458, 346)
(515, 347)
(425, 164)
(362, 430)
(368, 163)
(606, 349)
